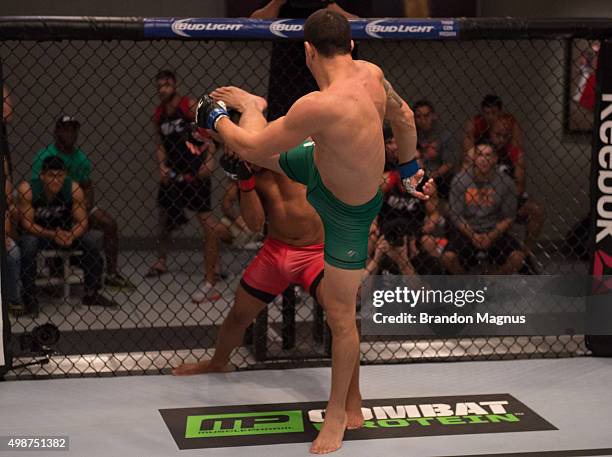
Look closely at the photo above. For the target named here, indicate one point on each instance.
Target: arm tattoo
(391, 94)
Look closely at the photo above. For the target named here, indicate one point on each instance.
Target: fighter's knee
(340, 323)
(340, 329)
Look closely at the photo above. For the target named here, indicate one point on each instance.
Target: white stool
(70, 277)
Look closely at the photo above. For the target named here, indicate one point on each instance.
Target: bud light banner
(258, 29)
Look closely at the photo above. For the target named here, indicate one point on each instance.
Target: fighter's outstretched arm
(258, 143)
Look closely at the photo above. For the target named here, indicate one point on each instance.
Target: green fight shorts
(347, 227)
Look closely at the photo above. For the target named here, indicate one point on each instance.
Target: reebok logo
(604, 174)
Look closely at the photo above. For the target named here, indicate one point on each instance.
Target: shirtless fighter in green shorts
(342, 174)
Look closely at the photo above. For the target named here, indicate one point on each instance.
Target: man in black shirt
(185, 180)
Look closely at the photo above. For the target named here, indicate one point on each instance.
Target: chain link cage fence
(98, 80)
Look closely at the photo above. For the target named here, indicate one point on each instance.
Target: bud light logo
(389, 29)
(183, 27)
(282, 27)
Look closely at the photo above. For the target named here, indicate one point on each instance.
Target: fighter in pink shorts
(291, 254)
(293, 251)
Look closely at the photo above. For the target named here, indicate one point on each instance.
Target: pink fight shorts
(278, 264)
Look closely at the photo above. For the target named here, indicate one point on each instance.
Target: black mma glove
(238, 170)
(209, 112)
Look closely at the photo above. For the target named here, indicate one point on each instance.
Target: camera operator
(392, 254)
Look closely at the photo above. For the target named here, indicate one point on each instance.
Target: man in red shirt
(478, 128)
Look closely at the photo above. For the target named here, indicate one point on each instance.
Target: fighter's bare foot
(331, 434)
(354, 415)
(187, 369)
(237, 98)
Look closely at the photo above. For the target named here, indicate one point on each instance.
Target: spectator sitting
(79, 171)
(512, 162)
(478, 128)
(482, 208)
(13, 254)
(53, 214)
(433, 142)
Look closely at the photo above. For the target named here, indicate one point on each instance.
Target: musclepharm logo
(183, 26)
(279, 28)
(374, 28)
(260, 423)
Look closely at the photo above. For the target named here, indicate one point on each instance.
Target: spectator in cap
(79, 169)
